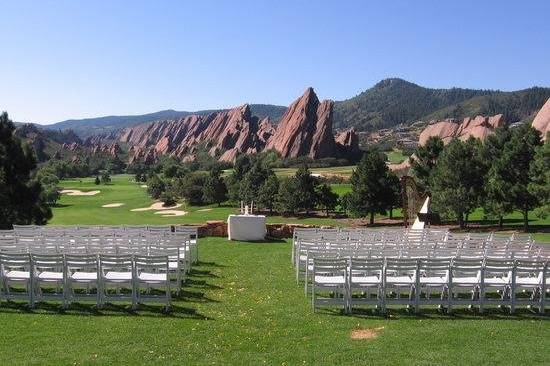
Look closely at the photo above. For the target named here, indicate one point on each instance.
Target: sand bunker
(109, 205)
(204, 209)
(368, 333)
(76, 192)
(156, 206)
(143, 186)
(171, 213)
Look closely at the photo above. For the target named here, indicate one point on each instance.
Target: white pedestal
(246, 227)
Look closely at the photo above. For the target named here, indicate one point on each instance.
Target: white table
(246, 227)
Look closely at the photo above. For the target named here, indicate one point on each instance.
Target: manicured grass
(395, 156)
(340, 171)
(242, 306)
(87, 210)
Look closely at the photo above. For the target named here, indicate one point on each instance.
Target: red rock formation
(347, 143)
(305, 129)
(478, 127)
(542, 120)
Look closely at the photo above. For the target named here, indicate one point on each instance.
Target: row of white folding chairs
(379, 282)
(427, 249)
(98, 244)
(38, 277)
(304, 255)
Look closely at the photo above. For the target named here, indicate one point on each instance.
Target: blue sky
(76, 59)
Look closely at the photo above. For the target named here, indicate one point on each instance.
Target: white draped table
(246, 227)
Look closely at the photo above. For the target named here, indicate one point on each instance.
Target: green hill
(396, 101)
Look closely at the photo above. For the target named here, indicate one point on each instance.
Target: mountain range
(389, 103)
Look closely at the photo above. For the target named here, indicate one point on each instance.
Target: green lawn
(242, 307)
(396, 156)
(87, 210)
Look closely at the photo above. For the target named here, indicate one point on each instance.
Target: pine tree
(457, 180)
(511, 171)
(306, 189)
(369, 187)
(539, 172)
(326, 197)
(214, 190)
(425, 159)
(286, 201)
(268, 192)
(21, 199)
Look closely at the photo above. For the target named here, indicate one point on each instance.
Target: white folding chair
(49, 277)
(330, 275)
(152, 272)
(400, 275)
(365, 278)
(17, 269)
(82, 277)
(433, 278)
(464, 276)
(116, 271)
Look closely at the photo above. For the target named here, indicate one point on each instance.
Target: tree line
(509, 171)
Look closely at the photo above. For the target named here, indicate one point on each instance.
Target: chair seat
(118, 276)
(400, 280)
(528, 281)
(152, 277)
(365, 280)
(436, 280)
(84, 276)
(51, 276)
(457, 281)
(496, 281)
(173, 265)
(330, 280)
(17, 275)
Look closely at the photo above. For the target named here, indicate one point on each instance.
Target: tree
(369, 191)
(287, 198)
(252, 181)
(424, 161)
(105, 177)
(190, 187)
(21, 199)
(214, 190)
(49, 182)
(457, 180)
(155, 186)
(268, 192)
(539, 172)
(494, 199)
(306, 183)
(394, 191)
(512, 171)
(97, 181)
(327, 199)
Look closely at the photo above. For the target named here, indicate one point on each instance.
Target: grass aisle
(242, 307)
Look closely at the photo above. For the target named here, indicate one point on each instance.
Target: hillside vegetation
(396, 101)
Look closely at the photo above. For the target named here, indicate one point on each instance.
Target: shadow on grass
(193, 291)
(109, 309)
(490, 313)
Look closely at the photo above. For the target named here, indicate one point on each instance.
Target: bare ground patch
(368, 333)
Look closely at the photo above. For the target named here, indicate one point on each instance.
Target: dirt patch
(157, 206)
(171, 213)
(111, 205)
(369, 333)
(76, 192)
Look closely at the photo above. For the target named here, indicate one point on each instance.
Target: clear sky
(76, 59)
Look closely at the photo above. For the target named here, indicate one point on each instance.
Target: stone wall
(219, 228)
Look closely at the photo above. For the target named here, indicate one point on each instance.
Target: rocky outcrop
(304, 130)
(228, 133)
(478, 127)
(542, 120)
